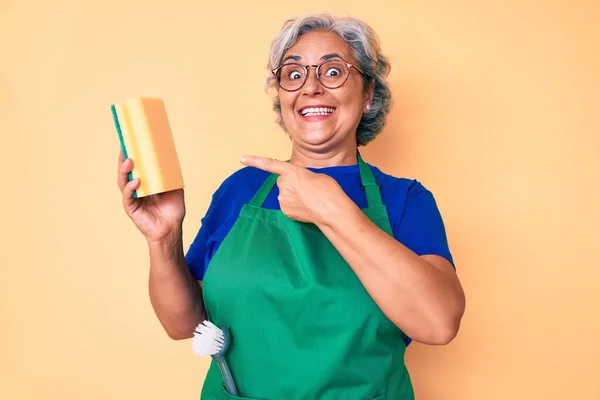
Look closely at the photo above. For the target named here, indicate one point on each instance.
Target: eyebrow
(324, 58)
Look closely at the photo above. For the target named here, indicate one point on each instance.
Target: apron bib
(302, 325)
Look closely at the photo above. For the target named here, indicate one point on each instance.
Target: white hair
(365, 47)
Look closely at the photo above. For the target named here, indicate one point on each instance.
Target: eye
(295, 75)
(332, 72)
(292, 72)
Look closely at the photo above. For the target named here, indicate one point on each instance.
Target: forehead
(311, 46)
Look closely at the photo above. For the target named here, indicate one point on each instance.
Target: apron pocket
(226, 396)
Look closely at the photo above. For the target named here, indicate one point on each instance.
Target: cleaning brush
(210, 340)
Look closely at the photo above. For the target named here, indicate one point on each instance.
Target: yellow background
(496, 111)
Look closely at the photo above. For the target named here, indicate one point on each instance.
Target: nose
(312, 86)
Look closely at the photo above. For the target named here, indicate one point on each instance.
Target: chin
(315, 139)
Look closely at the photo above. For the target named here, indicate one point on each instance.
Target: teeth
(311, 111)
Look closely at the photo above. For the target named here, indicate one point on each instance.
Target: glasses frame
(317, 68)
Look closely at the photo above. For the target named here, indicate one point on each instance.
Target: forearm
(426, 302)
(174, 293)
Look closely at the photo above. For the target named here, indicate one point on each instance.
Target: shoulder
(244, 177)
(397, 191)
(240, 186)
(414, 214)
(228, 199)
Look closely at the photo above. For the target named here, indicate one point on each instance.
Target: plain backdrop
(496, 112)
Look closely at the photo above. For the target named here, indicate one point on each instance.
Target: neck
(340, 155)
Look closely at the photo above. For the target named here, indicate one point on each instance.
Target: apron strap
(368, 181)
(366, 177)
(262, 193)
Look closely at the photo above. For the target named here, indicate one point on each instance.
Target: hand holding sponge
(145, 136)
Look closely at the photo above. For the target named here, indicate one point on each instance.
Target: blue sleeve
(421, 227)
(196, 255)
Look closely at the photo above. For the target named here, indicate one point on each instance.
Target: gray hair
(365, 46)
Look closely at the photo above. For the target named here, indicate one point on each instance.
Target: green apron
(302, 325)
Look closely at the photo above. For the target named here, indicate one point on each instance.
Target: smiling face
(321, 120)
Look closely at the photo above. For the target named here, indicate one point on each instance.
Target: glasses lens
(333, 74)
(291, 76)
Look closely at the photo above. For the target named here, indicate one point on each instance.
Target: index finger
(267, 164)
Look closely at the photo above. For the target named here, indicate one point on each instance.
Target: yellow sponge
(146, 137)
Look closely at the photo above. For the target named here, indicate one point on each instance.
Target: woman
(323, 267)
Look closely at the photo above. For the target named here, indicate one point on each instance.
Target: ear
(369, 92)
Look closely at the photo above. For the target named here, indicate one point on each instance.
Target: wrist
(169, 247)
(338, 209)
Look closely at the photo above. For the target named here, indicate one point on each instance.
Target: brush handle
(227, 377)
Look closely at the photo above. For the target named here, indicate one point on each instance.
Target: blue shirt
(414, 216)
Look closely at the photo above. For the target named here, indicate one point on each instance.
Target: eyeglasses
(292, 76)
